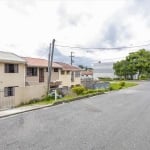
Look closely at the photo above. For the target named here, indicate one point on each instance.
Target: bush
(105, 79)
(122, 83)
(143, 77)
(48, 98)
(78, 90)
(115, 86)
(110, 88)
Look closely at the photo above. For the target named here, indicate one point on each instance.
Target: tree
(135, 63)
(141, 60)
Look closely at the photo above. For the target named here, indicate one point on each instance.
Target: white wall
(104, 69)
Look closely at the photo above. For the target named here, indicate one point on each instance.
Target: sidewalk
(18, 110)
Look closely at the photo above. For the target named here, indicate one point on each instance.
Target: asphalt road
(118, 120)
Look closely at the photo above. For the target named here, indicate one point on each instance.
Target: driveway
(117, 120)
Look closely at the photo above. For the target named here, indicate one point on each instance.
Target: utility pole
(50, 62)
(49, 59)
(71, 58)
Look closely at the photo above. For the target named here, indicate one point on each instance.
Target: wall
(25, 94)
(34, 80)
(104, 69)
(12, 79)
(66, 79)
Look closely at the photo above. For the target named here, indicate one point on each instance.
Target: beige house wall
(34, 80)
(25, 94)
(66, 79)
(12, 79)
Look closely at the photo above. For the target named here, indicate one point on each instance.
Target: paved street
(118, 120)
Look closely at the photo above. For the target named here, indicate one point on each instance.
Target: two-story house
(62, 74)
(69, 75)
(25, 78)
(37, 72)
(12, 75)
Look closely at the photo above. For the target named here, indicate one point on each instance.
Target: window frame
(9, 91)
(11, 68)
(62, 72)
(77, 74)
(32, 71)
(56, 69)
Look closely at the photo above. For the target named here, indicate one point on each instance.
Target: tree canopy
(136, 63)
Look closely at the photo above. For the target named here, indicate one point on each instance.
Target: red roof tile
(86, 72)
(68, 67)
(37, 62)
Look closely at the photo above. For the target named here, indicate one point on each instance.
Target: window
(32, 71)
(62, 72)
(77, 74)
(9, 91)
(11, 68)
(55, 69)
(46, 69)
(68, 72)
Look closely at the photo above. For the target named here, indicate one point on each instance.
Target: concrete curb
(22, 111)
(12, 112)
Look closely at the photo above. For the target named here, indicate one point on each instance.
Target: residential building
(69, 75)
(37, 72)
(23, 78)
(62, 74)
(12, 75)
(87, 74)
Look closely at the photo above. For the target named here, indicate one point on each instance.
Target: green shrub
(110, 88)
(78, 90)
(91, 91)
(122, 83)
(101, 90)
(105, 79)
(48, 98)
(143, 77)
(115, 86)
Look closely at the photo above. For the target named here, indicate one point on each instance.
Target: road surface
(118, 120)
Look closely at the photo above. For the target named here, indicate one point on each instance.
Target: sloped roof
(68, 67)
(10, 57)
(38, 62)
(88, 72)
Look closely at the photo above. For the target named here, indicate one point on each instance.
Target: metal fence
(6, 102)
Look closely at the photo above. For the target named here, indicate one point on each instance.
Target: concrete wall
(25, 94)
(12, 79)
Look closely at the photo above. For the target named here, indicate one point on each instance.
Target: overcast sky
(28, 26)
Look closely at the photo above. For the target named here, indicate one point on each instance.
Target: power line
(103, 48)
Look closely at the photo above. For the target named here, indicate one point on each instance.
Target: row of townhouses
(25, 78)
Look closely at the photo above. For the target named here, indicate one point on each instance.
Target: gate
(6, 102)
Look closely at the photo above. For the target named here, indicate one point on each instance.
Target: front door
(41, 74)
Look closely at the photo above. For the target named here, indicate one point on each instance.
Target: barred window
(9, 91)
(77, 74)
(62, 72)
(11, 68)
(55, 69)
(32, 71)
(68, 72)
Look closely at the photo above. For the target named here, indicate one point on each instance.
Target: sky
(27, 27)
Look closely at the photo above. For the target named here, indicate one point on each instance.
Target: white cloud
(28, 25)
